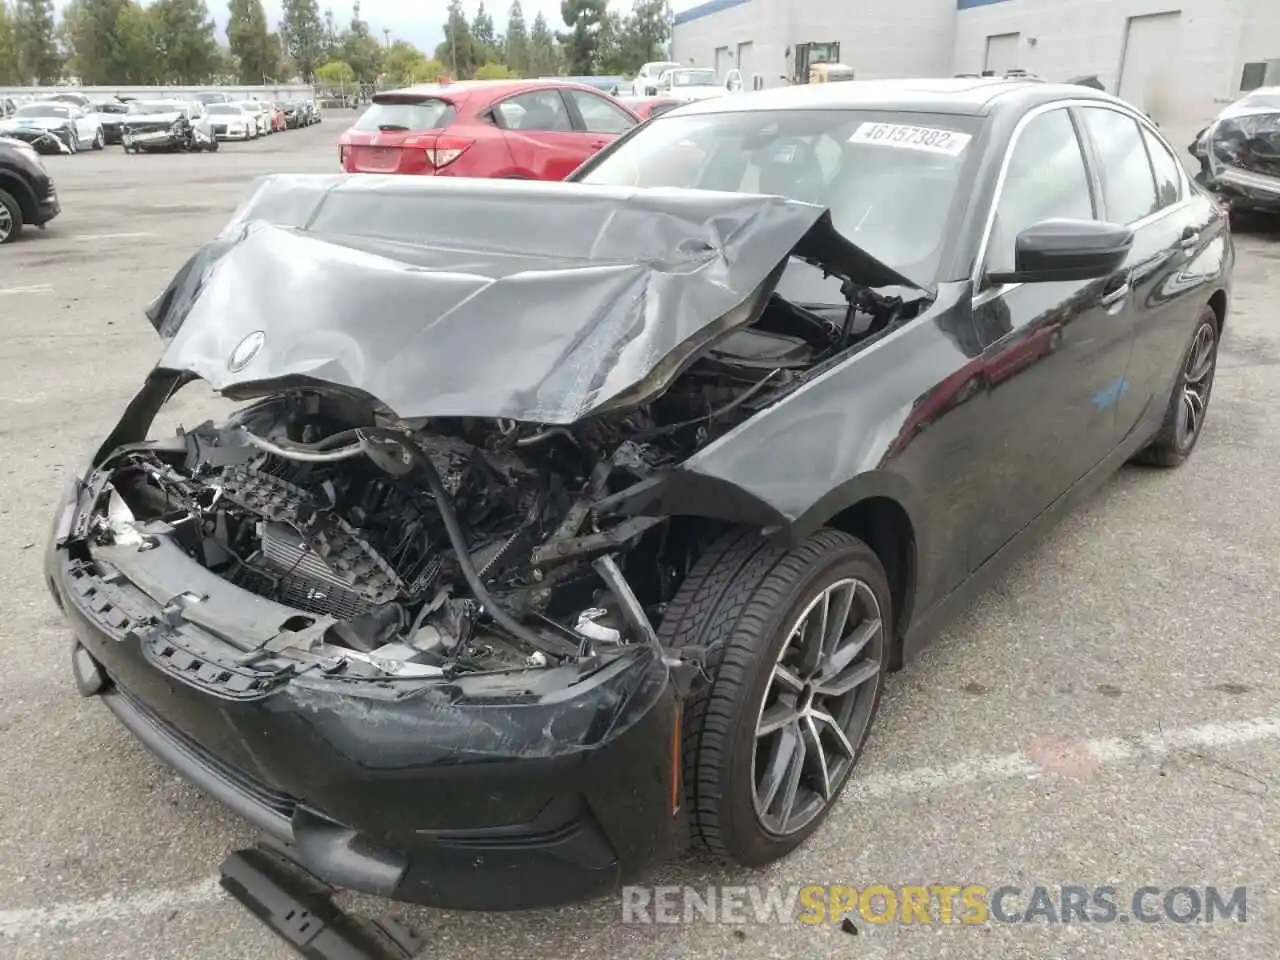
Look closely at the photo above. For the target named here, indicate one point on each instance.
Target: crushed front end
(1239, 158)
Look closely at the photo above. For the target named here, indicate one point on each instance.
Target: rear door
(599, 120)
(540, 134)
(394, 133)
(1144, 186)
(1055, 354)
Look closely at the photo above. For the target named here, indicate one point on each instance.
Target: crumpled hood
(1245, 137)
(541, 302)
(147, 118)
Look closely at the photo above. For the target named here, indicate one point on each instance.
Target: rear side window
(536, 110)
(1128, 187)
(422, 115)
(1166, 167)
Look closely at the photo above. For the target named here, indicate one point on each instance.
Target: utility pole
(386, 35)
(453, 45)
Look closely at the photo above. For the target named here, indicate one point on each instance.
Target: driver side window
(1047, 178)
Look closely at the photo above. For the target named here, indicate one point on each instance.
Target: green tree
(495, 71)
(400, 62)
(645, 34)
(458, 50)
(359, 49)
(335, 73)
(256, 51)
(515, 46)
(36, 42)
(303, 34)
(426, 70)
(92, 47)
(544, 58)
(185, 44)
(9, 73)
(136, 35)
(486, 39)
(586, 19)
(331, 40)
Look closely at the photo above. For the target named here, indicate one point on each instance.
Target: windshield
(43, 110)
(694, 78)
(155, 106)
(110, 108)
(424, 115)
(224, 108)
(889, 180)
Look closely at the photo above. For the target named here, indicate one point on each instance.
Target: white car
(261, 121)
(697, 83)
(646, 82)
(72, 126)
(233, 121)
(167, 125)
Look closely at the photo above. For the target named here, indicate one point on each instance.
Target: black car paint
(903, 443)
(30, 184)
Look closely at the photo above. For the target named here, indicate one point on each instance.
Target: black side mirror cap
(1061, 249)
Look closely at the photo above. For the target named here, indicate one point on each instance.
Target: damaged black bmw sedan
(562, 526)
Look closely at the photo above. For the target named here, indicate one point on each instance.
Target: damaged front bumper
(161, 140)
(501, 791)
(45, 142)
(1240, 161)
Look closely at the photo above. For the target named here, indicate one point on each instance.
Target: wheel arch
(1218, 304)
(18, 188)
(884, 525)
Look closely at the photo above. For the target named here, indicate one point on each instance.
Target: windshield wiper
(392, 128)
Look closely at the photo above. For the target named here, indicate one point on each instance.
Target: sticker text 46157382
(907, 137)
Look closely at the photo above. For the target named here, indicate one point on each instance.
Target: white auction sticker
(906, 137)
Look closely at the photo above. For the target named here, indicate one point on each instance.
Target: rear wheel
(10, 218)
(99, 140)
(796, 642)
(1184, 418)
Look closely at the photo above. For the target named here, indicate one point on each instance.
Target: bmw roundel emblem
(245, 351)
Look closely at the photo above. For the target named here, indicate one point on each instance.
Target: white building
(1177, 59)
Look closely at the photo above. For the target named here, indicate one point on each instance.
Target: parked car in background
(232, 121)
(524, 129)
(168, 125)
(646, 108)
(264, 111)
(261, 126)
(213, 96)
(72, 127)
(697, 83)
(294, 114)
(645, 83)
(7, 106)
(27, 195)
(278, 123)
(1239, 152)
(79, 99)
(111, 114)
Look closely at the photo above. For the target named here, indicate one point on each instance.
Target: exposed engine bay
(433, 547)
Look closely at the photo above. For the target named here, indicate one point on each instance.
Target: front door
(1056, 354)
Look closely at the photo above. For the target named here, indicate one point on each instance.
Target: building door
(1003, 53)
(1149, 64)
(722, 61)
(746, 64)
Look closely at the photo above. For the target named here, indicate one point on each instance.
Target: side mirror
(1056, 250)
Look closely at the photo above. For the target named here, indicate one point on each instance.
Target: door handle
(1116, 290)
(1190, 238)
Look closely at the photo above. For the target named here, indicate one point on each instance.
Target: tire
(213, 145)
(99, 140)
(1174, 442)
(73, 142)
(740, 602)
(10, 218)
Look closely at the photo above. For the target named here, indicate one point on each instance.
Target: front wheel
(796, 645)
(73, 142)
(1184, 417)
(213, 145)
(99, 140)
(10, 218)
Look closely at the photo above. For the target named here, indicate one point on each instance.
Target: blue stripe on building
(706, 9)
(966, 4)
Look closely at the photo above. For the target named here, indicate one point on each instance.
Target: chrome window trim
(975, 279)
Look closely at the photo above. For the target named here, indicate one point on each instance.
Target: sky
(419, 23)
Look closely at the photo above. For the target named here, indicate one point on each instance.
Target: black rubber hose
(458, 539)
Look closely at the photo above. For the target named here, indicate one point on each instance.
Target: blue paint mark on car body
(1110, 395)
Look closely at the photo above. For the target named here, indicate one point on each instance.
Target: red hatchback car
(525, 129)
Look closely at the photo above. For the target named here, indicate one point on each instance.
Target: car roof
(977, 96)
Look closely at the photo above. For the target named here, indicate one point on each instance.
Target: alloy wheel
(1197, 378)
(6, 223)
(817, 706)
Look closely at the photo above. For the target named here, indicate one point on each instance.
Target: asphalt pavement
(1108, 715)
